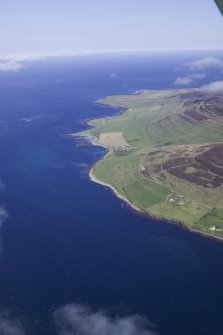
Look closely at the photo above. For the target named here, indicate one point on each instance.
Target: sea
(67, 241)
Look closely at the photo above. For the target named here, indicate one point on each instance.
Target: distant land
(165, 155)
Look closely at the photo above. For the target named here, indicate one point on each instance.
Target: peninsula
(165, 155)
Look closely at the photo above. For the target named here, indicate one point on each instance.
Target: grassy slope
(154, 120)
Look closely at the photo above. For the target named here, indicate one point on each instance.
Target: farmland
(166, 155)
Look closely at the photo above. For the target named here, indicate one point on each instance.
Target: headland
(165, 155)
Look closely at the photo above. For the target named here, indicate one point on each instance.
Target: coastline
(118, 195)
(97, 181)
(93, 141)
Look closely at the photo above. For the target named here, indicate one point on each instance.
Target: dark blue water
(68, 240)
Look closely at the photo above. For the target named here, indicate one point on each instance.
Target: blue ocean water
(68, 240)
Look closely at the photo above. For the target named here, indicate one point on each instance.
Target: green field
(162, 163)
(145, 193)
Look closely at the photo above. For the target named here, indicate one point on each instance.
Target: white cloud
(183, 81)
(10, 325)
(189, 79)
(26, 58)
(77, 319)
(9, 65)
(204, 63)
(16, 62)
(214, 87)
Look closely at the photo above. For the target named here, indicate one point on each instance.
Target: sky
(74, 26)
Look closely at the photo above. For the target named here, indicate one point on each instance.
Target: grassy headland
(166, 155)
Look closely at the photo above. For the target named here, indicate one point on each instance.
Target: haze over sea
(67, 240)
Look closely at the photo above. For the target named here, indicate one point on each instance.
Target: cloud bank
(204, 63)
(14, 63)
(197, 69)
(10, 325)
(77, 319)
(183, 81)
(189, 79)
(9, 65)
(214, 87)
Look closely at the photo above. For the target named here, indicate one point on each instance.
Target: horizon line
(22, 56)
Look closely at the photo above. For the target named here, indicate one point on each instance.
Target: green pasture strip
(118, 171)
(145, 193)
(188, 214)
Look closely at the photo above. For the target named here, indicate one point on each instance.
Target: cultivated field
(112, 140)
